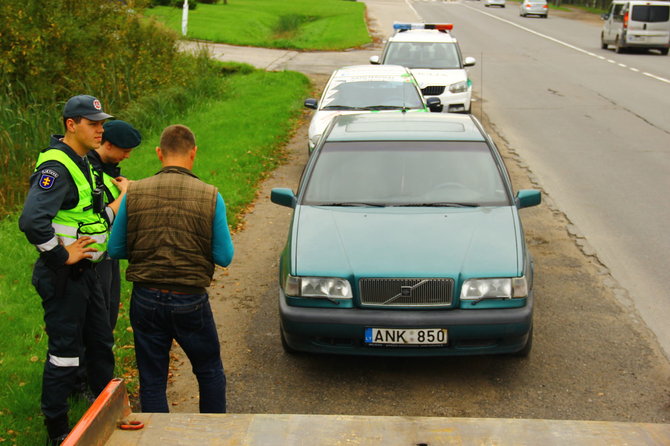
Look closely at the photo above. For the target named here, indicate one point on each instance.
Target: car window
(650, 13)
(405, 173)
(436, 55)
(372, 94)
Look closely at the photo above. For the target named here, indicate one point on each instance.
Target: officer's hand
(122, 183)
(79, 250)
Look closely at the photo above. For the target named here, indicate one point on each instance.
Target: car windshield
(372, 95)
(405, 173)
(434, 55)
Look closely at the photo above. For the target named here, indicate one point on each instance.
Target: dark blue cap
(121, 134)
(85, 106)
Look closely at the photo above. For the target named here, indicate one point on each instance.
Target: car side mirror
(283, 197)
(526, 198)
(605, 16)
(469, 61)
(374, 60)
(434, 104)
(311, 103)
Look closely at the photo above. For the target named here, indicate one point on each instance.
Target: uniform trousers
(76, 319)
(158, 317)
(110, 281)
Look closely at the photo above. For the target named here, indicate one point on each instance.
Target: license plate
(406, 336)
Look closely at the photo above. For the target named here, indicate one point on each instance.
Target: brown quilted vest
(169, 241)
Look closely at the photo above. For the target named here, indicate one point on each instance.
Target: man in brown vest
(172, 228)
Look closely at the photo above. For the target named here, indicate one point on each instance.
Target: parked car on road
(434, 57)
(406, 240)
(534, 7)
(637, 24)
(366, 88)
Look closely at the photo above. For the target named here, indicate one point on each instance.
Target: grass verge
(293, 24)
(240, 135)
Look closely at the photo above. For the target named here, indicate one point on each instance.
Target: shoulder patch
(47, 179)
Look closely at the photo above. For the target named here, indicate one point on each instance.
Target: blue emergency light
(438, 26)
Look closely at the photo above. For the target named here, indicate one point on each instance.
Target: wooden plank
(337, 430)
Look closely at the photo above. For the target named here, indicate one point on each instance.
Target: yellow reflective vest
(71, 224)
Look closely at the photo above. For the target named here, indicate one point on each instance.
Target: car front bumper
(341, 331)
(456, 102)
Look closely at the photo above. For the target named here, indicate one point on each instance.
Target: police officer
(63, 218)
(118, 140)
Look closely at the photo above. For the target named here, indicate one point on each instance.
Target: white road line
(560, 42)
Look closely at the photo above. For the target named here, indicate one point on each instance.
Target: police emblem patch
(47, 180)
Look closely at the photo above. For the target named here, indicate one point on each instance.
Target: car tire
(603, 45)
(525, 351)
(617, 46)
(664, 51)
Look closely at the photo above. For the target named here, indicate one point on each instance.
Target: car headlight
(318, 287)
(459, 87)
(496, 288)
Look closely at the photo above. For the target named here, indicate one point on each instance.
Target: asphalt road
(593, 357)
(594, 127)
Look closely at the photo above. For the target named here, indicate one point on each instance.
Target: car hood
(406, 242)
(426, 77)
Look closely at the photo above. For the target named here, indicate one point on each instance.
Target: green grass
(240, 134)
(293, 24)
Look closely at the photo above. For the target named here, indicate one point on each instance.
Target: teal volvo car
(406, 240)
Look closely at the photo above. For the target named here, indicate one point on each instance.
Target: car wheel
(525, 351)
(603, 45)
(664, 51)
(617, 46)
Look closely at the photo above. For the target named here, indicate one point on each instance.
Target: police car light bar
(407, 26)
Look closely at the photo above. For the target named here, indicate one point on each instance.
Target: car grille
(410, 292)
(433, 90)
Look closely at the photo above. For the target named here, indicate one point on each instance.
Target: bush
(52, 50)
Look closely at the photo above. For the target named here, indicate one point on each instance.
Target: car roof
(405, 127)
(370, 72)
(422, 35)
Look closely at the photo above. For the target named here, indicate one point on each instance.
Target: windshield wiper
(440, 204)
(385, 107)
(341, 107)
(351, 204)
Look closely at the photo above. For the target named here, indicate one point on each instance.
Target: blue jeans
(157, 318)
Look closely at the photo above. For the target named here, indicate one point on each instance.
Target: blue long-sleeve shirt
(222, 244)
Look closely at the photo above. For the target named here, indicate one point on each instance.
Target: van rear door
(649, 23)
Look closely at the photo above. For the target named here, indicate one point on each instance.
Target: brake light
(625, 20)
(545, 6)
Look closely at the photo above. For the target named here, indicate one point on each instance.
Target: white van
(637, 24)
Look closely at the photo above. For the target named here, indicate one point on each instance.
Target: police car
(434, 58)
(365, 88)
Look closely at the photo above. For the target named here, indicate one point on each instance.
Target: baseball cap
(121, 134)
(86, 106)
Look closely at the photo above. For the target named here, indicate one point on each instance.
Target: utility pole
(184, 19)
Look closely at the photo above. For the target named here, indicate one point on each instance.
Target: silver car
(534, 7)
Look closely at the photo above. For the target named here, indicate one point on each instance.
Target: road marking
(560, 42)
